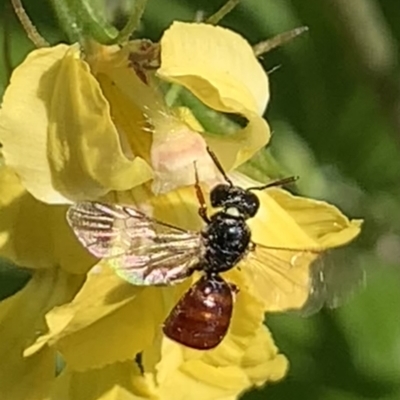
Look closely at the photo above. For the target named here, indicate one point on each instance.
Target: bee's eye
(219, 195)
(251, 204)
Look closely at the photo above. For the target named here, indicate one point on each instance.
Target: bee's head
(229, 196)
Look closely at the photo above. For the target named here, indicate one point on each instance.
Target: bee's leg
(200, 197)
(233, 287)
(201, 266)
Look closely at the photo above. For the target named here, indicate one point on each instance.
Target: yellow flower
(35, 235)
(21, 321)
(76, 128)
(89, 129)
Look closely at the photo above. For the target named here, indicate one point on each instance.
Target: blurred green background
(335, 114)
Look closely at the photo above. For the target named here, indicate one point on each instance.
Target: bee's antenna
(279, 182)
(200, 196)
(219, 166)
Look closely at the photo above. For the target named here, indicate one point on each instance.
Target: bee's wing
(335, 276)
(287, 279)
(142, 251)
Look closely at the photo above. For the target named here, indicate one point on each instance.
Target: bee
(144, 251)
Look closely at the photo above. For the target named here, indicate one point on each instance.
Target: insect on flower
(144, 251)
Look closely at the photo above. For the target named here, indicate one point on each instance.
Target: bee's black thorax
(227, 239)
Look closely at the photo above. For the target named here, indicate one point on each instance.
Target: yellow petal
(66, 141)
(218, 66)
(24, 122)
(179, 380)
(261, 361)
(34, 234)
(113, 63)
(119, 381)
(179, 207)
(133, 124)
(177, 155)
(135, 107)
(108, 321)
(322, 221)
(162, 138)
(236, 149)
(21, 320)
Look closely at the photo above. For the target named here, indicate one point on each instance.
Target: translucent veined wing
(142, 251)
(287, 279)
(335, 277)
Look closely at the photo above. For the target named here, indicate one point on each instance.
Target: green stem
(94, 22)
(80, 19)
(7, 45)
(263, 167)
(212, 121)
(224, 10)
(133, 22)
(278, 40)
(68, 20)
(172, 95)
(27, 24)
